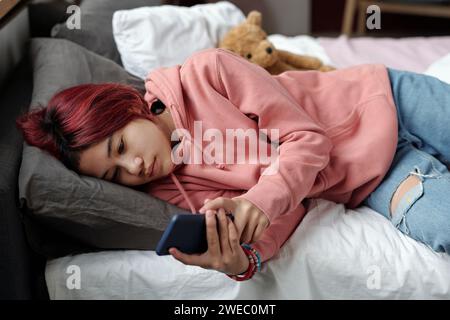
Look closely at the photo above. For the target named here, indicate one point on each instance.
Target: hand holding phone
(224, 252)
(187, 233)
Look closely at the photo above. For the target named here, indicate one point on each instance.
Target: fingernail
(202, 210)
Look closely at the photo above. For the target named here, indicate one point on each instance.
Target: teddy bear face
(250, 41)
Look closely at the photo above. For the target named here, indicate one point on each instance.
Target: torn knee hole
(407, 184)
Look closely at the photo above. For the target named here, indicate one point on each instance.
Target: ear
(254, 17)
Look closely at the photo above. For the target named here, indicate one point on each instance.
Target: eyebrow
(109, 154)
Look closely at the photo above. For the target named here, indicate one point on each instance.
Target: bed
(335, 253)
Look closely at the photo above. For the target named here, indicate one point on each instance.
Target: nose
(134, 165)
(269, 50)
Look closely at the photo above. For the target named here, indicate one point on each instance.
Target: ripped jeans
(415, 193)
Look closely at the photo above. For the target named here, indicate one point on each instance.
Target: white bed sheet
(335, 253)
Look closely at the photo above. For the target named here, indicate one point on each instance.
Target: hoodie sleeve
(304, 149)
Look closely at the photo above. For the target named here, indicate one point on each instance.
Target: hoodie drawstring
(183, 192)
(180, 147)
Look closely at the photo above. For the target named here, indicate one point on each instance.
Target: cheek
(159, 144)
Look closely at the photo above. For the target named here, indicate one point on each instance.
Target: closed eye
(121, 148)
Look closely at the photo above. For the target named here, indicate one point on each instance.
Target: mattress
(335, 253)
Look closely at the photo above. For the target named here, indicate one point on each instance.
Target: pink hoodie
(337, 135)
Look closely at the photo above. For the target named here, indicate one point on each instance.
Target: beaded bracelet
(254, 264)
(256, 253)
(251, 270)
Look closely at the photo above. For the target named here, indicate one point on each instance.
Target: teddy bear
(250, 41)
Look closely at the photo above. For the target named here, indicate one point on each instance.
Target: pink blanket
(412, 54)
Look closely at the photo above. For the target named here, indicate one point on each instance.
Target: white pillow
(163, 36)
(440, 69)
(303, 45)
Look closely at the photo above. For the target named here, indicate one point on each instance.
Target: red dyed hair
(81, 116)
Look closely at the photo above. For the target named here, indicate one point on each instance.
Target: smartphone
(187, 233)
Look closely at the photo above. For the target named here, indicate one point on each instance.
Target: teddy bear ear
(254, 17)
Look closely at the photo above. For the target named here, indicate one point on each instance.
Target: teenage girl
(361, 135)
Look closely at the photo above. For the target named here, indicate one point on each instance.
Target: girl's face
(134, 155)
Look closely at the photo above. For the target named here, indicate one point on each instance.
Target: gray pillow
(95, 212)
(95, 33)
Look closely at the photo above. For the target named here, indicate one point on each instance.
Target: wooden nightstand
(353, 7)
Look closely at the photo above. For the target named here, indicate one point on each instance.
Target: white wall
(288, 17)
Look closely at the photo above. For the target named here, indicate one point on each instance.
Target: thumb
(180, 256)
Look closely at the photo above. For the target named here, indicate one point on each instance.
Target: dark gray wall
(288, 17)
(13, 38)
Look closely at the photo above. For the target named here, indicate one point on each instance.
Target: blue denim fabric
(423, 150)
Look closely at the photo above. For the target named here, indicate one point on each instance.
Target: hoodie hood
(165, 84)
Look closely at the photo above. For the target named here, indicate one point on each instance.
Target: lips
(151, 168)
